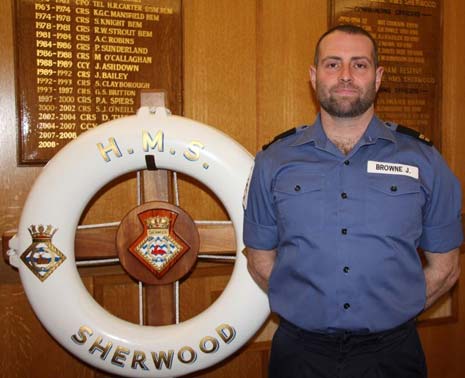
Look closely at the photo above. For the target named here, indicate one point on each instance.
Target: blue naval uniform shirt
(346, 228)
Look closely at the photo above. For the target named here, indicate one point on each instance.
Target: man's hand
(441, 272)
(260, 264)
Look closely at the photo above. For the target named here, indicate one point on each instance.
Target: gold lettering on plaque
(78, 52)
(409, 50)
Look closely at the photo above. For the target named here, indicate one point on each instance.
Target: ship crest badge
(158, 247)
(42, 257)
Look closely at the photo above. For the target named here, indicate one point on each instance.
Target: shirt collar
(376, 130)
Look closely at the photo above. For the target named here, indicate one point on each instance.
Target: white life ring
(58, 198)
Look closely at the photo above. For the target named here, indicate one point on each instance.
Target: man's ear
(312, 72)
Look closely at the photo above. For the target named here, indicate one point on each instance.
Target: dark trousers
(396, 353)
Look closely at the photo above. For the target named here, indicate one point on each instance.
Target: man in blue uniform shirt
(333, 219)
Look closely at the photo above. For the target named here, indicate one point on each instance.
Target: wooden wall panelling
(287, 33)
(202, 287)
(453, 88)
(443, 343)
(219, 81)
(112, 202)
(119, 294)
(27, 350)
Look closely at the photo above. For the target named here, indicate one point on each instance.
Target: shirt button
(393, 188)
(346, 269)
(346, 306)
(343, 195)
(297, 188)
(344, 231)
(347, 162)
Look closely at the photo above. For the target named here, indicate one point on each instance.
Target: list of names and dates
(408, 37)
(81, 63)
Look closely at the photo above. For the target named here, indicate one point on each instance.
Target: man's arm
(441, 272)
(260, 264)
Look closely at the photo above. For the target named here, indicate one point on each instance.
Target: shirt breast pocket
(395, 205)
(299, 201)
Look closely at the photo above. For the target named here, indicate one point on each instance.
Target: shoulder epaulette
(413, 133)
(280, 136)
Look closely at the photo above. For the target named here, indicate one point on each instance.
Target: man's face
(346, 80)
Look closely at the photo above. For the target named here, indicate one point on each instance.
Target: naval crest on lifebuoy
(42, 257)
(158, 247)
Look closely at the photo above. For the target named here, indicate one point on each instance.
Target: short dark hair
(349, 29)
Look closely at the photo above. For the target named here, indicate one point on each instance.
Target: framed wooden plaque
(80, 63)
(409, 34)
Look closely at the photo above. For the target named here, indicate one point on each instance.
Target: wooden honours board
(80, 63)
(408, 33)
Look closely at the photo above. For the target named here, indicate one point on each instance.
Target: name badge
(392, 169)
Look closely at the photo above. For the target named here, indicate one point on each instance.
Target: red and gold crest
(158, 247)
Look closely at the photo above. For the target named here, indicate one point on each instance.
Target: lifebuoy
(45, 242)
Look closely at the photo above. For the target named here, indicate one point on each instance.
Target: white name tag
(392, 169)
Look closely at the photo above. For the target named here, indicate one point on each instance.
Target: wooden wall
(246, 73)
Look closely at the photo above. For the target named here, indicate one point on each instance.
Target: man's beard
(346, 107)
